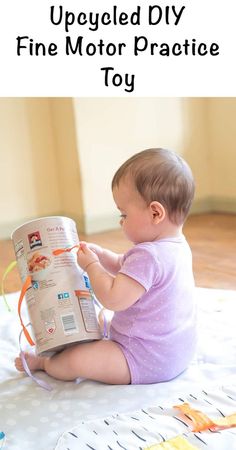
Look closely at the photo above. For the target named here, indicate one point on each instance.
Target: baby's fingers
(85, 249)
(82, 246)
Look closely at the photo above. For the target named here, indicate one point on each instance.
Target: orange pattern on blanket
(198, 421)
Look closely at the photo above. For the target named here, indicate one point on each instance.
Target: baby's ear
(157, 211)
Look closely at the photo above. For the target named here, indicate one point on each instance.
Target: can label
(59, 302)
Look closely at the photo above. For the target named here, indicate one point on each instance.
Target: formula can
(59, 302)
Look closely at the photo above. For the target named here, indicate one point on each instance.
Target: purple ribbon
(37, 380)
(105, 325)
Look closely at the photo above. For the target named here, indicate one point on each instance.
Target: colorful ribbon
(198, 421)
(59, 251)
(27, 284)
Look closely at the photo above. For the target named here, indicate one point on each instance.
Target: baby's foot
(34, 362)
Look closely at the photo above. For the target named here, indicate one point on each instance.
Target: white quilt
(33, 418)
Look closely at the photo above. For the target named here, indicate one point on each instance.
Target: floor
(212, 238)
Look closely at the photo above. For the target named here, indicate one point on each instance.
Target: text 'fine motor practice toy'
(57, 291)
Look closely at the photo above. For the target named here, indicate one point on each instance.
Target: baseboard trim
(200, 206)
(224, 205)
(101, 223)
(7, 228)
(97, 224)
(214, 204)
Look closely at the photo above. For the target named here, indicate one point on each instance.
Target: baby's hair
(163, 176)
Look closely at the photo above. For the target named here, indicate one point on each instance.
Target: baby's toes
(18, 364)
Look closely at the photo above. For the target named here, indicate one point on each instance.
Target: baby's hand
(95, 248)
(85, 256)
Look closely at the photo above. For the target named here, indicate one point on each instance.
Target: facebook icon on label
(63, 295)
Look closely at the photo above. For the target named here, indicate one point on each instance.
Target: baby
(150, 288)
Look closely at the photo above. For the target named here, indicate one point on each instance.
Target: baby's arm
(111, 261)
(114, 293)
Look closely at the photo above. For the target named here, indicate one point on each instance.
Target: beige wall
(112, 129)
(222, 130)
(57, 156)
(195, 144)
(67, 157)
(28, 182)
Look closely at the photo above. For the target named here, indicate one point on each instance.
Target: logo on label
(50, 327)
(35, 284)
(34, 240)
(63, 295)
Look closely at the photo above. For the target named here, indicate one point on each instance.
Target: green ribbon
(7, 271)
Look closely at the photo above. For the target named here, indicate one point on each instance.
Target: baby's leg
(99, 360)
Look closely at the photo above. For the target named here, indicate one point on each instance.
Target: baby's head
(162, 176)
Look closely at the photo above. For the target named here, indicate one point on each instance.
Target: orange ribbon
(200, 422)
(59, 251)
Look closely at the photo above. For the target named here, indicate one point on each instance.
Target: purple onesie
(158, 333)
